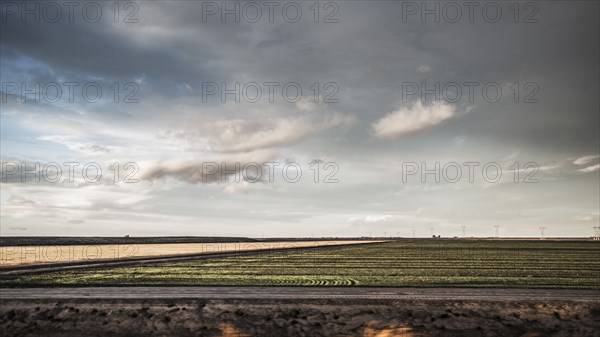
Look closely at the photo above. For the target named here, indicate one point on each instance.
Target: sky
(300, 119)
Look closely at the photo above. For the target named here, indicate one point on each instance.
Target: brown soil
(237, 318)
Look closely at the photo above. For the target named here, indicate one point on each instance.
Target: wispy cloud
(589, 169)
(585, 159)
(412, 119)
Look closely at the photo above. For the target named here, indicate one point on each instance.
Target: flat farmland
(42, 254)
(409, 263)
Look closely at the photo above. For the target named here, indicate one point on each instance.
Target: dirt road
(276, 293)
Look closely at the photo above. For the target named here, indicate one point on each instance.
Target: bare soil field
(306, 318)
(28, 255)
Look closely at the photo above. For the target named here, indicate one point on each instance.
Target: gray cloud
(205, 171)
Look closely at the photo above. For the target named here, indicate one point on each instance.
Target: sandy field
(314, 318)
(28, 255)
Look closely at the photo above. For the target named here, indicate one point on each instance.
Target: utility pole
(431, 229)
(497, 231)
(597, 230)
(464, 231)
(542, 230)
(414, 233)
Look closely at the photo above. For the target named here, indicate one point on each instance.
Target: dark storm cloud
(82, 50)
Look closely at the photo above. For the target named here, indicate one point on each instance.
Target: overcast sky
(368, 130)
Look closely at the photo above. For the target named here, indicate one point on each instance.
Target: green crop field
(418, 263)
